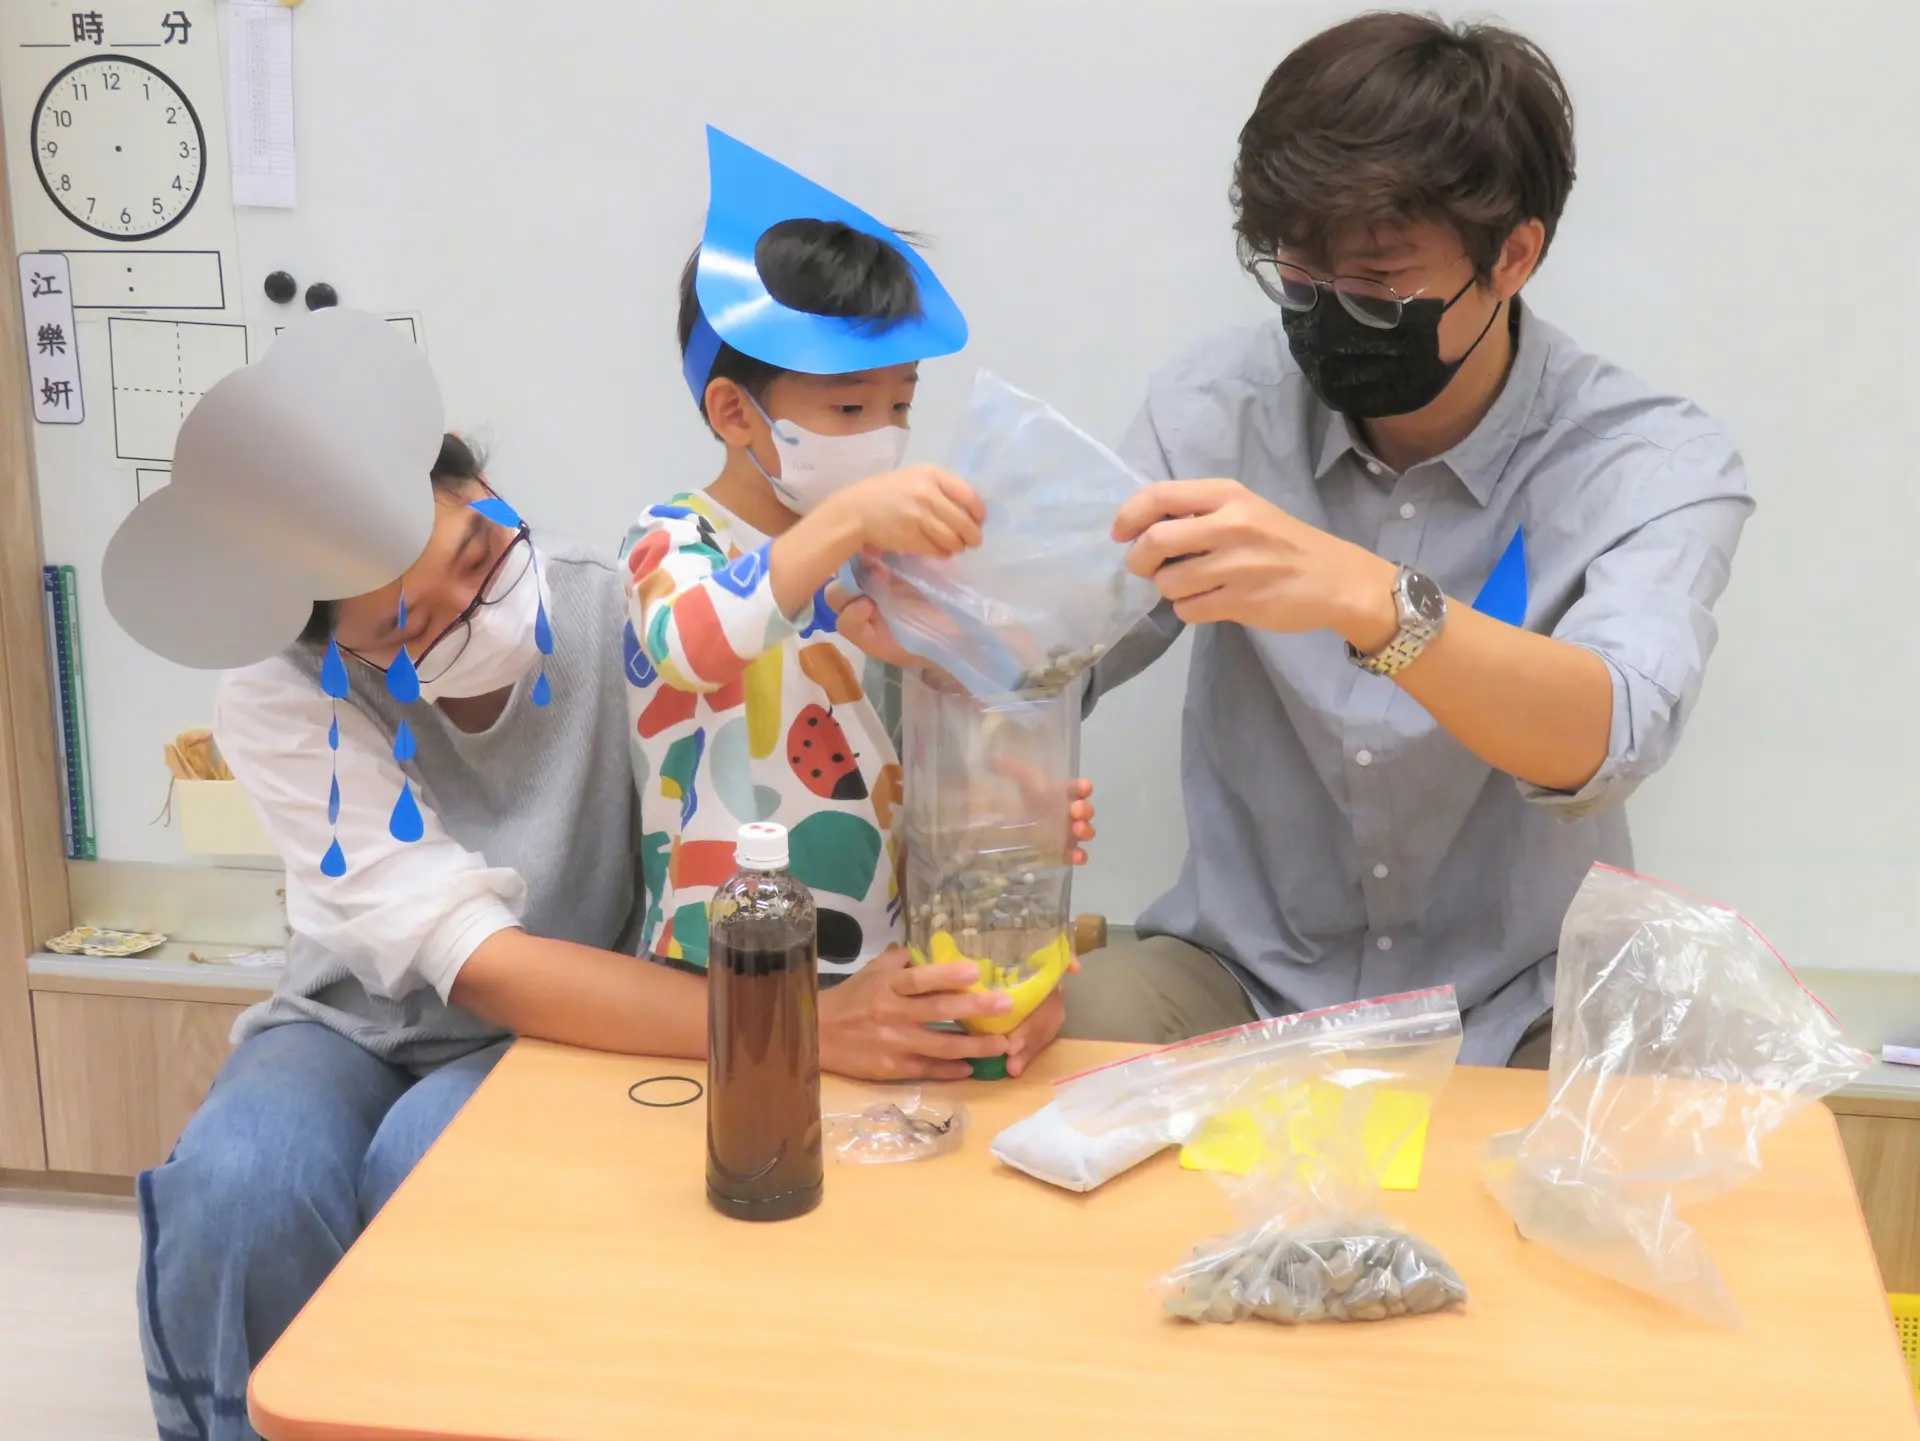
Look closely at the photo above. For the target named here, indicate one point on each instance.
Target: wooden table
(552, 1270)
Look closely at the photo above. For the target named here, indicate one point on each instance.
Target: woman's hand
(874, 1025)
(1037, 1032)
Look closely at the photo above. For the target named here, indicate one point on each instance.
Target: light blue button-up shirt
(1341, 844)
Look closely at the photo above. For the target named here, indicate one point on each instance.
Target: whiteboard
(527, 179)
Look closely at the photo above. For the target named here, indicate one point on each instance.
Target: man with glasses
(1454, 604)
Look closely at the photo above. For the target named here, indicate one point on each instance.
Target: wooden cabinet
(1883, 1147)
(120, 1075)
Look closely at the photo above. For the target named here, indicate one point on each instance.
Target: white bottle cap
(762, 846)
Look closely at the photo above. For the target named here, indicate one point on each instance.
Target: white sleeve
(405, 914)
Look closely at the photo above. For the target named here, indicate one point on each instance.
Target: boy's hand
(1037, 787)
(922, 510)
(873, 1025)
(860, 621)
(1080, 819)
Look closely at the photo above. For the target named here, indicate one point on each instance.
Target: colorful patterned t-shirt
(742, 714)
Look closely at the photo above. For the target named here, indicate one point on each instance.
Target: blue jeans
(301, 1140)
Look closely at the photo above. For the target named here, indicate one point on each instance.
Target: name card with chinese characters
(53, 346)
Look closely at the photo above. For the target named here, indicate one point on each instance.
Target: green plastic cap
(989, 1068)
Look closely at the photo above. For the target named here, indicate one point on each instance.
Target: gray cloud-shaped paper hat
(296, 479)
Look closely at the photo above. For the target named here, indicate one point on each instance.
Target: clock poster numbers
(118, 147)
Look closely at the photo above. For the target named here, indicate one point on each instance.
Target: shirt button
(1406, 511)
(1380, 872)
(1385, 943)
(1363, 758)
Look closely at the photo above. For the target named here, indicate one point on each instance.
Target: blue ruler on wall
(60, 592)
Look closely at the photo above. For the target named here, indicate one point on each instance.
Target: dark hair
(821, 266)
(457, 465)
(1395, 118)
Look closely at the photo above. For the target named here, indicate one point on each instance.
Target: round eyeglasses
(443, 652)
(1296, 289)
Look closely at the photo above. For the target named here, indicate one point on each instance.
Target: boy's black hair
(821, 266)
(457, 466)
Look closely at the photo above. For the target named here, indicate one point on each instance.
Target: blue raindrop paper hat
(749, 194)
(300, 478)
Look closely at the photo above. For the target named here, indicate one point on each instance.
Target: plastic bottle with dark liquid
(763, 1037)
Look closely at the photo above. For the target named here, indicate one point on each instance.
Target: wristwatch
(1422, 608)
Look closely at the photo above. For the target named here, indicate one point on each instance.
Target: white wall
(530, 178)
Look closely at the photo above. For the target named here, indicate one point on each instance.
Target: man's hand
(873, 1025)
(1221, 553)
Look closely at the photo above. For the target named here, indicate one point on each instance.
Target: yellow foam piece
(1394, 1132)
(1045, 966)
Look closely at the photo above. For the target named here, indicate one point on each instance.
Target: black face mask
(1369, 373)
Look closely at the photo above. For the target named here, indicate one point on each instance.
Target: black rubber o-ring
(698, 1091)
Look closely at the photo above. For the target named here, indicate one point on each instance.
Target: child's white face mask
(814, 466)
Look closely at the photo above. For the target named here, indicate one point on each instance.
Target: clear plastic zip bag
(1333, 1097)
(1047, 591)
(1681, 1039)
(899, 1125)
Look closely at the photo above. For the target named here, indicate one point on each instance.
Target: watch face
(1424, 597)
(118, 148)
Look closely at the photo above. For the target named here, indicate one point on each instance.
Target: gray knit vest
(546, 791)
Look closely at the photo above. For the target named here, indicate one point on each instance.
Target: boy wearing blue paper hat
(802, 322)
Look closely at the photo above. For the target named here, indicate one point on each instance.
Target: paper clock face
(119, 148)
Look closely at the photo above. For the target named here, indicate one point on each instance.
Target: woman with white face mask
(440, 760)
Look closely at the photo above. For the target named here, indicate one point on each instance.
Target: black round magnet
(281, 287)
(320, 295)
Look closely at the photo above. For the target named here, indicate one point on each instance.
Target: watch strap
(1415, 634)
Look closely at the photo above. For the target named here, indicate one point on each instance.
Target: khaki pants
(1153, 992)
(1536, 1046)
(1161, 990)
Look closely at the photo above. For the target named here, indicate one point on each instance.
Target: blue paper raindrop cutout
(333, 802)
(404, 747)
(542, 631)
(403, 682)
(333, 735)
(542, 692)
(334, 863)
(498, 511)
(1504, 596)
(406, 824)
(333, 672)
